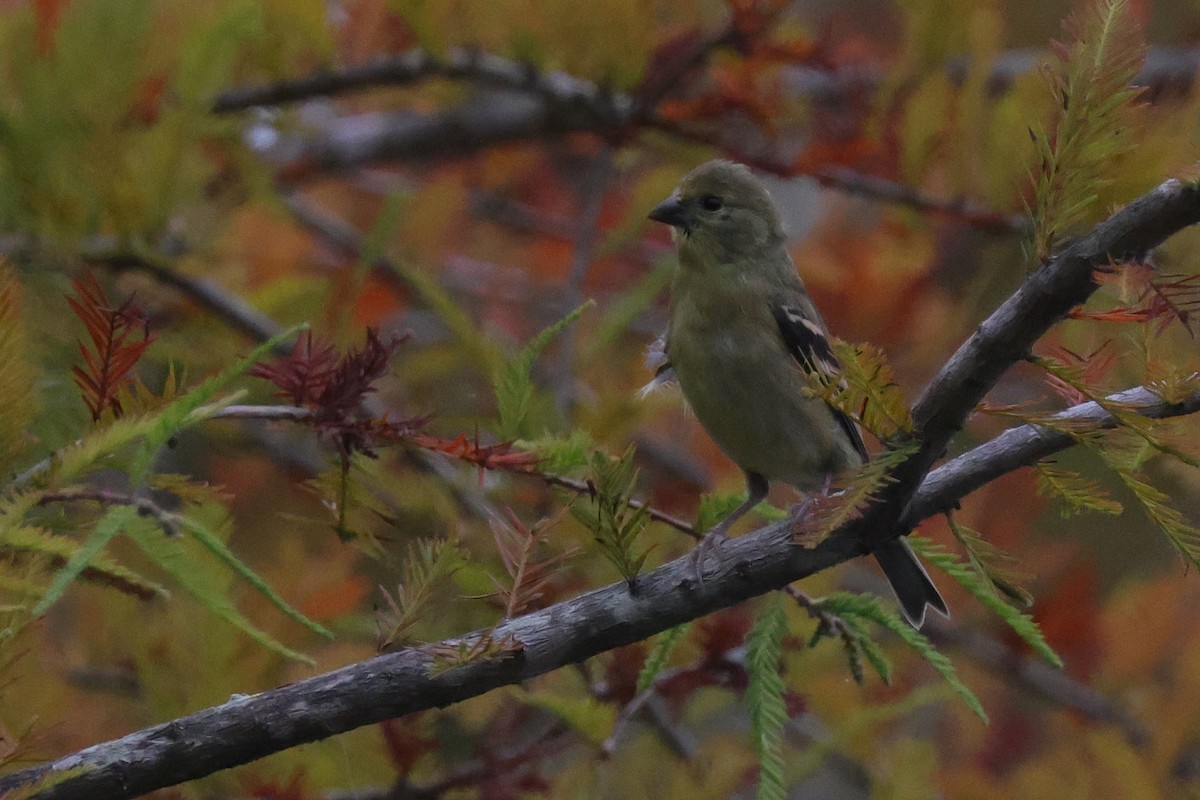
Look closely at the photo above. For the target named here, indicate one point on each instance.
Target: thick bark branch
(395, 684)
(1168, 70)
(1007, 336)
(1026, 444)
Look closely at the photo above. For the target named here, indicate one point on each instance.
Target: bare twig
(544, 104)
(167, 520)
(583, 487)
(1168, 70)
(231, 309)
(556, 88)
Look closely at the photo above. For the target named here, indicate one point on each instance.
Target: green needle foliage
(854, 607)
(1092, 89)
(429, 563)
(608, 513)
(1077, 493)
(764, 699)
(514, 383)
(664, 645)
(983, 590)
(993, 567)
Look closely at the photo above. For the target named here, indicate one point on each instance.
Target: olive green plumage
(742, 333)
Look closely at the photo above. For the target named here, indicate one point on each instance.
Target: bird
(741, 336)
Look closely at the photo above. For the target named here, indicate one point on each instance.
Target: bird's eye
(710, 202)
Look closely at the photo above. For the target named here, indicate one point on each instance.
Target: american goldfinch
(742, 333)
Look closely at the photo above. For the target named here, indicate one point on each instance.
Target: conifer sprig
(1102, 52)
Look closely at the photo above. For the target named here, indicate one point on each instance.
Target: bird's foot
(711, 541)
(804, 516)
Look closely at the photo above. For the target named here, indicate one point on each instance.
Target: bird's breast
(750, 395)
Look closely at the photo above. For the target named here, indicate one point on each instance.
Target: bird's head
(722, 210)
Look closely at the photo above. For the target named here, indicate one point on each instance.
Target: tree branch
(1168, 70)
(1028, 444)
(528, 104)
(556, 88)
(395, 684)
(229, 308)
(1049, 292)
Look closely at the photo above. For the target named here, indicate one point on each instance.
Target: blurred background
(469, 171)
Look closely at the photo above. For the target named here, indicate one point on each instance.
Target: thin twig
(1169, 70)
(167, 520)
(231, 309)
(584, 488)
(556, 88)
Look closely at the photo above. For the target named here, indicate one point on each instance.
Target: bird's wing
(656, 359)
(806, 340)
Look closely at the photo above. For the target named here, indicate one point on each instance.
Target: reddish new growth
(115, 344)
(1162, 299)
(500, 456)
(333, 387)
(313, 376)
(1090, 368)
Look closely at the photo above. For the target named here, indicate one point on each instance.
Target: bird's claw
(711, 541)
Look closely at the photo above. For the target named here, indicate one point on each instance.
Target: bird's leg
(756, 489)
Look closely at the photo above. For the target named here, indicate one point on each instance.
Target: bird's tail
(910, 581)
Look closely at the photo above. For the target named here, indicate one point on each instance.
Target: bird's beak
(670, 212)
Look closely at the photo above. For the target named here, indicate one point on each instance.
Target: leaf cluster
(1092, 86)
(116, 346)
(334, 388)
(609, 513)
(429, 563)
(527, 577)
(855, 610)
(136, 440)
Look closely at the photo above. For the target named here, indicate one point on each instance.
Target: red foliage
(1170, 298)
(499, 456)
(303, 375)
(1067, 615)
(405, 743)
(724, 631)
(148, 105)
(313, 376)
(673, 60)
(621, 672)
(1093, 367)
(115, 346)
(294, 789)
(47, 15)
(354, 376)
